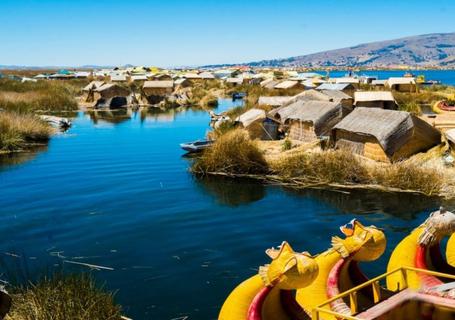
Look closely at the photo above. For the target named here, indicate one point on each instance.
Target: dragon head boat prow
(361, 243)
(270, 293)
(338, 268)
(288, 269)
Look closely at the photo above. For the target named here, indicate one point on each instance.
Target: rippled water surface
(115, 191)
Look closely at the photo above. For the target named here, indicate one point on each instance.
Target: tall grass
(341, 167)
(63, 297)
(232, 153)
(409, 176)
(322, 167)
(203, 94)
(411, 102)
(39, 96)
(19, 130)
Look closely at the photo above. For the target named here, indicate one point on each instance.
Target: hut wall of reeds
(303, 131)
(384, 135)
(154, 92)
(403, 84)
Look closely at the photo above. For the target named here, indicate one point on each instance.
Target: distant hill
(424, 51)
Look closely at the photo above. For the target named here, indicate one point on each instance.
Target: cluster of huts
(152, 88)
(362, 122)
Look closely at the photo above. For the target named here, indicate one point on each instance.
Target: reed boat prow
(420, 249)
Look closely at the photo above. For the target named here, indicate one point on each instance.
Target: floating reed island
(343, 133)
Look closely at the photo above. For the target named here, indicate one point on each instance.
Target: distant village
(355, 113)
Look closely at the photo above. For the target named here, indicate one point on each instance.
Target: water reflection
(406, 206)
(13, 159)
(157, 114)
(111, 116)
(232, 192)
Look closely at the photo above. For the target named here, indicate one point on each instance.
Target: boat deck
(401, 298)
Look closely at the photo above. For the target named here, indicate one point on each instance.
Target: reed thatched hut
(378, 83)
(118, 78)
(402, 84)
(268, 83)
(309, 120)
(207, 75)
(276, 101)
(384, 135)
(289, 84)
(112, 95)
(110, 90)
(161, 77)
(375, 99)
(89, 90)
(252, 120)
(346, 88)
(182, 83)
(234, 81)
(154, 91)
(355, 82)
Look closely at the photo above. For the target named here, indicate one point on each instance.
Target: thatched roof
(335, 86)
(164, 84)
(378, 82)
(365, 96)
(273, 101)
(400, 80)
(141, 77)
(180, 81)
(287, 84)
(336, 95)
(349, 80)
(118, 77)
(268, 83)
(192, 76)
(308, 95)
(250, 116)
(93, 85)
(309, 111)
(234, 80)
(391, 128)
(206, 75)
(112, 89)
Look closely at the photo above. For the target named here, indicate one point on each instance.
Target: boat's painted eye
(348, 229)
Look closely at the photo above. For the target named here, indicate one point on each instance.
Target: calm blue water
(115, 192)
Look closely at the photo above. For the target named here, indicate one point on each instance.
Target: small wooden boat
(196, 146)
(238, 95)
(57, 122)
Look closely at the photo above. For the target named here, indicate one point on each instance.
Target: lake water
(115, 191)
(447, 77)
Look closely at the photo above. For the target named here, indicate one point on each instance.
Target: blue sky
(195, 32)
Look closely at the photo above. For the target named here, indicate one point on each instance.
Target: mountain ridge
(428, 50)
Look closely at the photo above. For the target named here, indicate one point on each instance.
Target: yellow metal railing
(374, 283)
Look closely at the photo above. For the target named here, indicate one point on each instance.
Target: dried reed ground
(235, 153)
